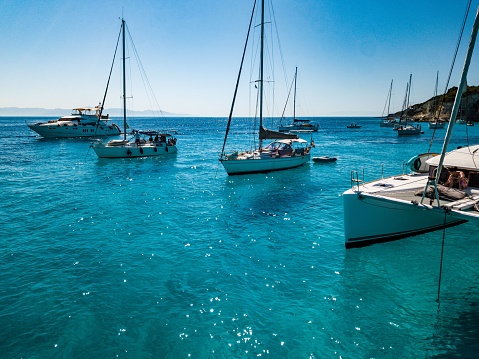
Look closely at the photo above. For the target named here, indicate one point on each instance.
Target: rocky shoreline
(469, 109)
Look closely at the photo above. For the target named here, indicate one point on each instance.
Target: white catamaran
(143, 143)
(405, 205)
(284, 152)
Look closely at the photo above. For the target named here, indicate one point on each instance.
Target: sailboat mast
(404, 106)
(409, 92)
(389, 101)
(261, 75)
(294, 101)
(435, 114)
(408, 95)
(124, 81)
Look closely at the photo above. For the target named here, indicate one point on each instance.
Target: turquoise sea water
(171, 258)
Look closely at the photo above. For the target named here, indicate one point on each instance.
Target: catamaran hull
(103, 151)
(67, 131)
(370, 219)
(244, 166)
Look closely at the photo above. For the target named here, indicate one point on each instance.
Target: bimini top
(465, 158)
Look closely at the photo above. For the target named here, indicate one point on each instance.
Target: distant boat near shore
(436, 124)
(298, 125)
(389, 121)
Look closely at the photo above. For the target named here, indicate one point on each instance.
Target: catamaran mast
(124, 82)
(460, 90)
(261, 76)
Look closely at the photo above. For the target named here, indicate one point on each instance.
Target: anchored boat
(83, 122)
(443, 193)
(286, 151)
(142, 143)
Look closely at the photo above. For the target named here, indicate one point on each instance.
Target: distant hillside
(58, 112)
(469, 109)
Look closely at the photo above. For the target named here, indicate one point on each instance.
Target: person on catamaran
(457, 179)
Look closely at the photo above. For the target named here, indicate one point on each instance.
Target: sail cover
(268, 134)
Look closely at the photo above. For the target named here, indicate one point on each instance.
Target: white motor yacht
(83, 122)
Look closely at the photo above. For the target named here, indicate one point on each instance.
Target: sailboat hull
(258, 164)
(409, 130)
(434, 125)
(131, 150)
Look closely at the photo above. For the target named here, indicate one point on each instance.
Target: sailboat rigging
(143, 143)
(284, 152)
(298, 125)
(389, 121)
(435, 123)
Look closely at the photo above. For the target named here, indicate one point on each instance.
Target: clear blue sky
(57, 54)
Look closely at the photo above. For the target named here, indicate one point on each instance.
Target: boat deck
(410, 188)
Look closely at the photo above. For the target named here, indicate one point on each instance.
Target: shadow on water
(457, 331)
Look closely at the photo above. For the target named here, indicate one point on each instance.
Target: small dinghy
(324, 159)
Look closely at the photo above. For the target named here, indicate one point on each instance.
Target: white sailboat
(436, 123)
(143, 143)
(83, 122)
(406, 205)
(298, 125)
(389, 120)
(407, 129)
(284, 152)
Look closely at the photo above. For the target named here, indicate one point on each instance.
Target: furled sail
(268, 134)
